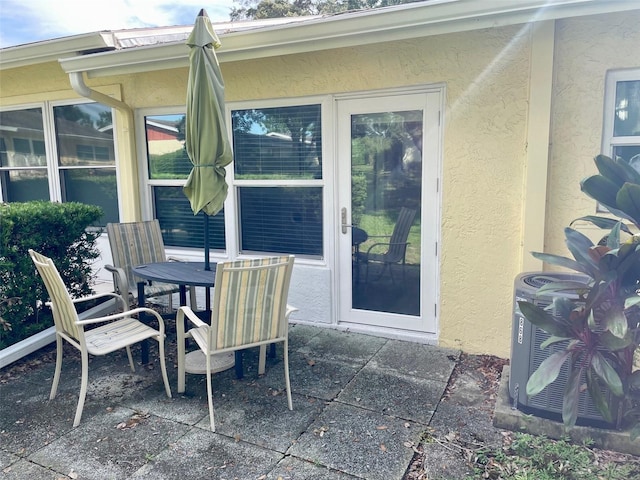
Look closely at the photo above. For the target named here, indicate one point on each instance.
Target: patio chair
(249, 309)
(396, 247)
(119, 330)
(137, 243)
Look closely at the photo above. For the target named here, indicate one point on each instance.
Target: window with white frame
(59, 152)
(168, 167)
(277, 172)
(276, 185)
(621, 136)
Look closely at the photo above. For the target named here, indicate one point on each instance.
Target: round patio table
(185, 274)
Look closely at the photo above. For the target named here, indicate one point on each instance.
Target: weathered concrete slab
(359, 442)
(291, 468)
(312, 375)
(112, 444)
(394, 394)
(348, 347)
(25, 469)
(202, 454)
(417, 360)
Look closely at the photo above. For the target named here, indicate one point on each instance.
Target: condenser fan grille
(540, 280)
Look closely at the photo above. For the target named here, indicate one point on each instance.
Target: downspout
(128, 168)
(78, 85)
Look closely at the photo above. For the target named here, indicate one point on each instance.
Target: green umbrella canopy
(206, 136)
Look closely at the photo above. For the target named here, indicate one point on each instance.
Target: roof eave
(345, 30)
(53, 50)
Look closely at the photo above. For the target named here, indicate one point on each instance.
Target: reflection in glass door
(381, 213)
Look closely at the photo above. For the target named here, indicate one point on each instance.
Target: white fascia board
(350, 29)
(53, 50)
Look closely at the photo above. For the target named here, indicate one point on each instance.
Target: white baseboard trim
(41, 339)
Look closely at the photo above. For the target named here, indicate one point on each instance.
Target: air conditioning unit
(526, 355)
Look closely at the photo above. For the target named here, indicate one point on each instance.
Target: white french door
(389, 209)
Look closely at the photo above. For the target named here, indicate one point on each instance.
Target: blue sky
(26, 21)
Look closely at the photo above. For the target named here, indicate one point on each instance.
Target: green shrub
(57, 230)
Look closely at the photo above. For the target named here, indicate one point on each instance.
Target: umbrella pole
(206, 242)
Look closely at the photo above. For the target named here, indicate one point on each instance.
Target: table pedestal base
(196, 362)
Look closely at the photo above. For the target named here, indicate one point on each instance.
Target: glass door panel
(381, 237)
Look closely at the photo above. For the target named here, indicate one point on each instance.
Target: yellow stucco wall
(585, 49)
(486, 73)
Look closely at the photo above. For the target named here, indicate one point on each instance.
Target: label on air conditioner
(520, 329)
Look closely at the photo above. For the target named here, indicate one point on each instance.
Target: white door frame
(430, 100)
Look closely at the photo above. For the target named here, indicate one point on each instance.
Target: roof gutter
(77, 83)
(398, 23)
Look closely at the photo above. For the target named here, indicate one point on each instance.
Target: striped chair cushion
(136, 243)
(113, 336)
(250, 302)
(63, 308)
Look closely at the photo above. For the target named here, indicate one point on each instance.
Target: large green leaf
(602, 190)
(546, 372)
(598, 291)
(613, 343)
(599, 399)
(544, 320)
(562, 262)
(628, 200)
(616, 321)
(605, 223)
(613, 239)
(563, 286)
(607, 374)
(630, 172)
(552, 340)
(631, 301)
(571, 397)
(611, 170)
(580, 246)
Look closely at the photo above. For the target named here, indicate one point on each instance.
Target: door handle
(343, 220)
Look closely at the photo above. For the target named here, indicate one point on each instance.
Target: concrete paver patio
(360, 404)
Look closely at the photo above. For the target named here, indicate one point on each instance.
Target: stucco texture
(486, 77)
(585, 48)
(485, 74)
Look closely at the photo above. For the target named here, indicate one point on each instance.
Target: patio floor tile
(202, 454)
(102, 448)
(359, 442)
(401, 396)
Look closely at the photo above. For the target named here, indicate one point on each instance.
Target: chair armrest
(120, 282)
(191, 316)
(386, 243)
(101, 295)
(289, 311)
(379, 236)
(128, 313)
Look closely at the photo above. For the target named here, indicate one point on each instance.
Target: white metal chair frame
(216, 338)
(119, 330)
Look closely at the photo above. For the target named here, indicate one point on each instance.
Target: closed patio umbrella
(206, 137)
